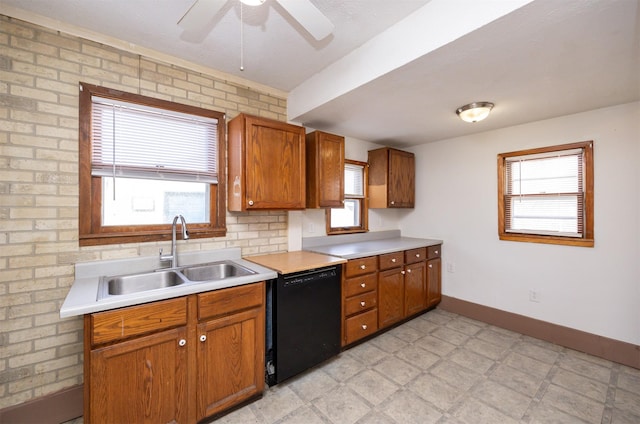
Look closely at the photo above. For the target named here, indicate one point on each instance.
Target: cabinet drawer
(434, 251)
(415, 255)
(132, 321)
(391, 260)
(360, 303)
(361, 325)
(226, 301)
(357, 285)
(361, 266)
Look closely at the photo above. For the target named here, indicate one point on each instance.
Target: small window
(144, 161)
(545, 195)
(352, 218)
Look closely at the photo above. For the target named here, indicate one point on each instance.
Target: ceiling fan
(303, 11)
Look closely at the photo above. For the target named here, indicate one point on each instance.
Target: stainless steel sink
(135, 283)
(215, 271)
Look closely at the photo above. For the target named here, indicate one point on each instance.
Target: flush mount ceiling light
(252, 2)
(474, 112)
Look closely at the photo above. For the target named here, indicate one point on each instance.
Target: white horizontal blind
(135, 141)
(544, 193)
(353, 180)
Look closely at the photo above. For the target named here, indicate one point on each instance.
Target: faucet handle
(165, 257)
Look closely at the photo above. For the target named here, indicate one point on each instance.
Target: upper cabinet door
(266, 164)
(391, 178)
(325, 170)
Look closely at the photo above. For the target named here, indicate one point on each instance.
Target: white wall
(591, 289)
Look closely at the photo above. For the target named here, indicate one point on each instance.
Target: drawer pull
(430, 265)
(363, 303)
(409, 271)
(203, 338)
(417, 255)
(363, 266)
(364, 326)
(363, 285)
(393, 260)
(436, 252)
(182, 342)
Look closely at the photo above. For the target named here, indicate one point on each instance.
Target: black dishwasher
(303, 321)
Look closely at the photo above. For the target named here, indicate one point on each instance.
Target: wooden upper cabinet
(391, 178)
(266, 164)
(325, 170)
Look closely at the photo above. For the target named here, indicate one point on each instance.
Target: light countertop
(82, 297)
(369, 244)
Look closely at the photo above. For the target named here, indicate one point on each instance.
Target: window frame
(91, 230)
(587, 239)
(364, 205)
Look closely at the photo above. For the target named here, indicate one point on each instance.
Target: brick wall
(39, 74)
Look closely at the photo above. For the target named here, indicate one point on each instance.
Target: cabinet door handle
(430, 265)
(364, 326)
(363, 266)
(362, 303)
(250, 202)
(203, 338)
(363, 285)
(393, 202)
(182, 342)
(409, 271)
(402, 272)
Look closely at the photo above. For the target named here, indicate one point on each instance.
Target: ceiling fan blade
(200, 14)
(309, 16)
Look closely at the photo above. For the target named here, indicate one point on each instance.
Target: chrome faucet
(173, 257)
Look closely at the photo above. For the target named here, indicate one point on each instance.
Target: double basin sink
(165, 278)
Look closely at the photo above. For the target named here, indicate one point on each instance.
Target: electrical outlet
(451, 267)
(534, 296)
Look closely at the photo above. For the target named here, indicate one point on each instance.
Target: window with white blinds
(353, 180)
(137, 141)
(144, 160)
(544, 192)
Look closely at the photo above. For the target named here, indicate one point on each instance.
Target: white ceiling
(392, 72)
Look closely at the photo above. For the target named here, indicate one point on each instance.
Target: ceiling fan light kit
(474, 112)
(304, 12)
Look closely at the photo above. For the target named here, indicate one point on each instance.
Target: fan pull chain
(241, 39)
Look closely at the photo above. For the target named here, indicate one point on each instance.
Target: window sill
(529, 238)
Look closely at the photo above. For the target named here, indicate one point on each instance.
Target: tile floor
(444, 368)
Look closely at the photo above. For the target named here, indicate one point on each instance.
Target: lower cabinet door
(415, 288)
(230, 361)
(390, 297)
(434, 281)
(141, 380)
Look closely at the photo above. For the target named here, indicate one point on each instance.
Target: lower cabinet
(140, 380)
(230, 355)
(179, 360)
(434, 276)
(359, 299)
(379, 291)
